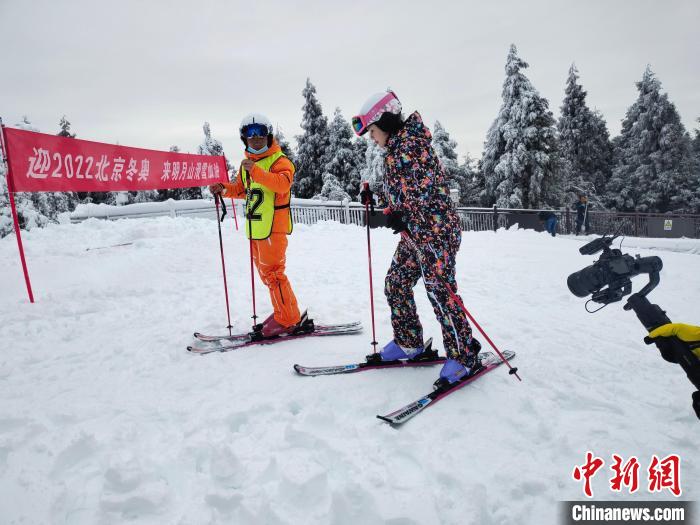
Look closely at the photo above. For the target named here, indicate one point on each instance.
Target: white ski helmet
(373, 109)
(256, 119)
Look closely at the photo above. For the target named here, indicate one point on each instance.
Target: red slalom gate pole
(15, 218)
(369, 263)
(223, 262)
(513, 371)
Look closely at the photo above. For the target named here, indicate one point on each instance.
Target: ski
(242, 337)
(319, 331)
(489, 361)
(429, 357)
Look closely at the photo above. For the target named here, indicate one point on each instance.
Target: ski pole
(250, 245)
(217, 198)
(365, 186)
(513, 371)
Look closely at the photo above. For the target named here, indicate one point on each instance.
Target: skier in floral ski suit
(420, 209)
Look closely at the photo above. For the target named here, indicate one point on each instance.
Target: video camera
(609, 279)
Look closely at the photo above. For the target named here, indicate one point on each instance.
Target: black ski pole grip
(223, 206)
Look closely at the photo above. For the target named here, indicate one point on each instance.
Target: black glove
(394, 220)
(366, 196)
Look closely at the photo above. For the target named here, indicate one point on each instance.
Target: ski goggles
(255, 130)
(388, 102)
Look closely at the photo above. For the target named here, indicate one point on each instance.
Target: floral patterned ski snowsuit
(415, 185)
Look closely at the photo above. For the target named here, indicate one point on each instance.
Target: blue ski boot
(393, 352)
(455, 370)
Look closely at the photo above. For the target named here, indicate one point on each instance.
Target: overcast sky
(148, 74)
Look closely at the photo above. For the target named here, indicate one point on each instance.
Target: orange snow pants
(270, 256)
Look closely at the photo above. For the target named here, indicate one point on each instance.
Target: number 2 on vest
(256, 199)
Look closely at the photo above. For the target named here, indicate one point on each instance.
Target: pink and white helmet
(373, 109)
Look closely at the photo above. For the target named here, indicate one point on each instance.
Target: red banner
(41, 162)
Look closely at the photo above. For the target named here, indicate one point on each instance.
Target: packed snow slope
(105, 418)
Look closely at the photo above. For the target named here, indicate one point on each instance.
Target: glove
(366, 195)
(395, 221)
(217, 189)
(685, 332)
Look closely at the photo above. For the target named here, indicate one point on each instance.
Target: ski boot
(454, 370)
(393, 352)
(271, 329)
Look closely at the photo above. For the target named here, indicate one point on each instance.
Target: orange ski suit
(269, 254)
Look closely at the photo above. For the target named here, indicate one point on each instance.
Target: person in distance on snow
(420, 209)
(582, 216)
(268, 175)
(549, 219)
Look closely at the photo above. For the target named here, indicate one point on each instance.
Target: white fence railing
(304, 211)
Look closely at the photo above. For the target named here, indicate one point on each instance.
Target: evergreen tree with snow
(5, 212)
(471, 184)
(342, 160)
(210, 146)
(446, 150)
(284, 144)
(311, 146)
(353, 185)
(585, 150)
(373, 170)
(69, 200)
(332, 190)
(65, 128)
(26, 125)
(652, 171)
(519, 156)
(28, 214)
(695, 172)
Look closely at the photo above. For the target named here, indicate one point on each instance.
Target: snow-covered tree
(25, 124)
(284, 144)
(342, 160)
(332, 190)
(585, 150)
(519, 156)
(68, 200)
(33, 209)
(471, 185)
(65, 128)
(652, 171)
(695, 171)
(210, 146)
(5, 212)
(311, 146)
(373, 170)
(446, 150)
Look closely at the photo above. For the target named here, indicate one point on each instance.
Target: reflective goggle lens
(356, 124)
(255, 130)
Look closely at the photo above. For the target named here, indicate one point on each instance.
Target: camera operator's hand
(685, 332)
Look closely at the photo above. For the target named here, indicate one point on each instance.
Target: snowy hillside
(105, 418)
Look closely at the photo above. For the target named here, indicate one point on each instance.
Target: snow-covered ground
(105, 418)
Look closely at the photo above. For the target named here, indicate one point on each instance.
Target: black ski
(489, 361)
(428, 357)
